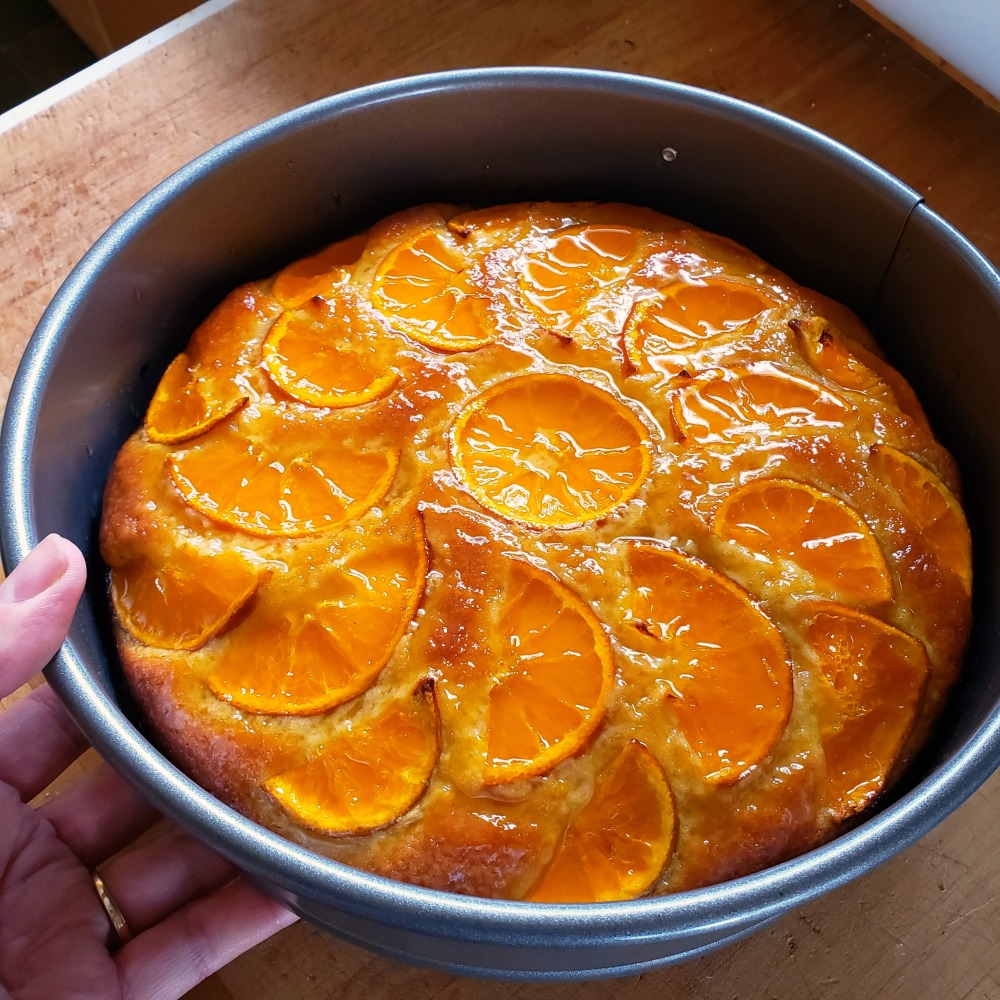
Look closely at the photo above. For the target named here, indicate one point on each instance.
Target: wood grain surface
(924, 925)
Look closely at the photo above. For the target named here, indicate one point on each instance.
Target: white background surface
(966, 33)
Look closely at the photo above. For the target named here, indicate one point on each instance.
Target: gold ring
(119, 934)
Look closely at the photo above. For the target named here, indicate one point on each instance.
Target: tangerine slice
(510, 224)
(853, 366)
(697, 250)
(686, 315)
(725, 661)
(229, 335)
(572, 265)
(312, 661)
(423, 286)
(550, 450)
(617, 844)
(327, 357)
(370, 774)
(318, 273)
(871, 680)
(830, 355)
(187, 403)
(203, 386)
(931, 505)
(733, 402)
(552, 683)
(784, 521)
(274, 491)
(185, 600)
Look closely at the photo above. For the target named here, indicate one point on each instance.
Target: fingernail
(43, 566)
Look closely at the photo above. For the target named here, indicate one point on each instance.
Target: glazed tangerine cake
(549, 552)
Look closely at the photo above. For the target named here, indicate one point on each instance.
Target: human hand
(187, 908)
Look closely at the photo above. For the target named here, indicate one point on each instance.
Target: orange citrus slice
(700, 254)
(185, 600)
(724, 660)
(831, 355)
(931, 505)
(311, 660)
(871, 680)
(550, 688)
(203, 386)
(617, 844)
(853, 366)
(786, 522)
(270, 490)
(734, 402)
(370, 774)
(327, 356)
(188, 402)
(509, 225)
(424, 288)
(573, 265)
(550, 450)
(314, 275)
(659, 331)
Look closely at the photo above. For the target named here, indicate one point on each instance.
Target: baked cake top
(559, 552)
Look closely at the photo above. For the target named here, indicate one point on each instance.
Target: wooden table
(924, 925)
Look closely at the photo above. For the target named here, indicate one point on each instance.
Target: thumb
(37, 602)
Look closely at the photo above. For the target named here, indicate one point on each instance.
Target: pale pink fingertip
(53, 564)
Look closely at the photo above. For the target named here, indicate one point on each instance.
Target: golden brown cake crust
(333, 525)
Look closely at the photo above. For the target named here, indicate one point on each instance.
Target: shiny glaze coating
(603, 295)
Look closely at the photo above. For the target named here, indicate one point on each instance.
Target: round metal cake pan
(828, 217)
